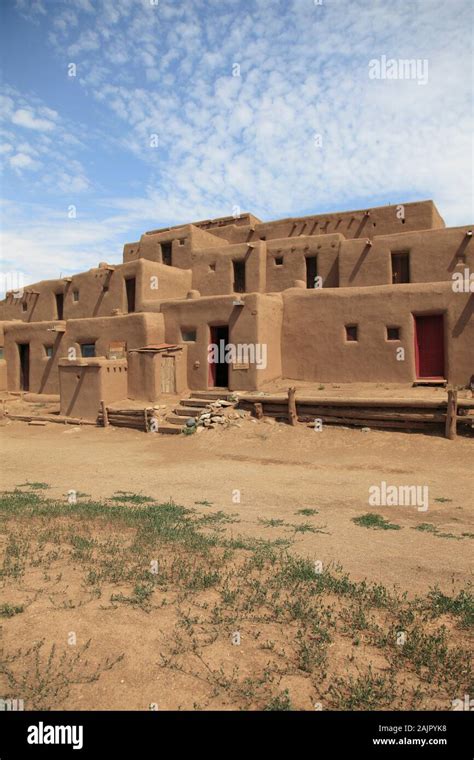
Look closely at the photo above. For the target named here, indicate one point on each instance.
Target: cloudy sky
(136, 114)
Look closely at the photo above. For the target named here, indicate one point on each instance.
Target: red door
(429, 346)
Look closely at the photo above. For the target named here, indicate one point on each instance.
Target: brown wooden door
(130, 285)
(24, 351)
(429, 346)
(168, 374)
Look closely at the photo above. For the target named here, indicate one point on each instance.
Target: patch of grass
(375, 521)
(204, 503)
(442, 500)
(308, 528)
(430, 528)
(9, 610)
(126, 497)
(34, 486)
(280, 703)
(307, 512)
(272, 522)
(461, 605)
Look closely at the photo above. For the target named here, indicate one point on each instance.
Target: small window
(212, 267)
(189, 336)
(24, 306)
(351, 333)
(279, 261)
(75, 296)
(166, 253)
(87, 350)
(400, 267)
(48, 351)
(182, 241)
(1, 353)
(393, 333)
(263, 237)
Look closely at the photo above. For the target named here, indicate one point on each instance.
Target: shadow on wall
(50, 364)
(76, 391)
(464, 317)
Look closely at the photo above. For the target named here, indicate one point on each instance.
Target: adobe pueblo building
(378, 295)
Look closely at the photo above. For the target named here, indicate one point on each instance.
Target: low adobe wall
(314, 345)
(84, 383)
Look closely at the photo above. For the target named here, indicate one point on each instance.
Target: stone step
(173, 420)
(187, 411)
(196, 402)
(213, 395)
(169, 430)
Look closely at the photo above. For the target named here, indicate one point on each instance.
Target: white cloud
(24, 117)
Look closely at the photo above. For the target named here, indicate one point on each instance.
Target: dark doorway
(166, 249)
(400, 268)
(311, 271)
(130, 285)
(24, 351)
(239, 276)
(59, 305)
(429, 347)
(219, 370)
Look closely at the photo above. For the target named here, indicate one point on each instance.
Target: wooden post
(292, 416)
(258, 409)
(105, 416)
(146, 420)
(451, 413)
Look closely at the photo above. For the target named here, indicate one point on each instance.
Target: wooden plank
(105, 419)
(450, 429)
(362, 402)
(292, 416)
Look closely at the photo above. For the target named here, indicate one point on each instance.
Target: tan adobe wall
(145, 370)
(434, 256)
(43, 370)
(314, 346)
(86, 382)
(212, 269)
(258, 321)
(294, 252)
(135, 330)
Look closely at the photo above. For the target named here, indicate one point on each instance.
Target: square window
(48, 351)
(351, 333)
(75, 296)
(393, 333)
(279, 261)
(189, 336)
(212, 267)
(87, 350)
(182, 241)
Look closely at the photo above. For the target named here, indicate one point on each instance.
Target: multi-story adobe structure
(378, 295)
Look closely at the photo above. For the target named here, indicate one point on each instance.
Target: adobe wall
(86, 382)
(3, 363)
(257, 321)
(145, 369)
(43, 370)
(136, 330)
(383, 220)
(434, 256)
(294, 252)
(213, 274)
(314, 347)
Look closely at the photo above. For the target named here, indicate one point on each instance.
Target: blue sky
(186, 109)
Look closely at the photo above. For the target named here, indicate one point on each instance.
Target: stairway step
(213, 395)
(187, 411)
(171, 419)
(169, 430)
(196, 402)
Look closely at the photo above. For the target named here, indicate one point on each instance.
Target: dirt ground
(257, 477)
(278, 470)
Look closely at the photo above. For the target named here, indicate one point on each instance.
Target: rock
(207, 423)
(190, 422)
(225, 403)
(365, 430)
(199, 429)
(205, 416)
(217, 419)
